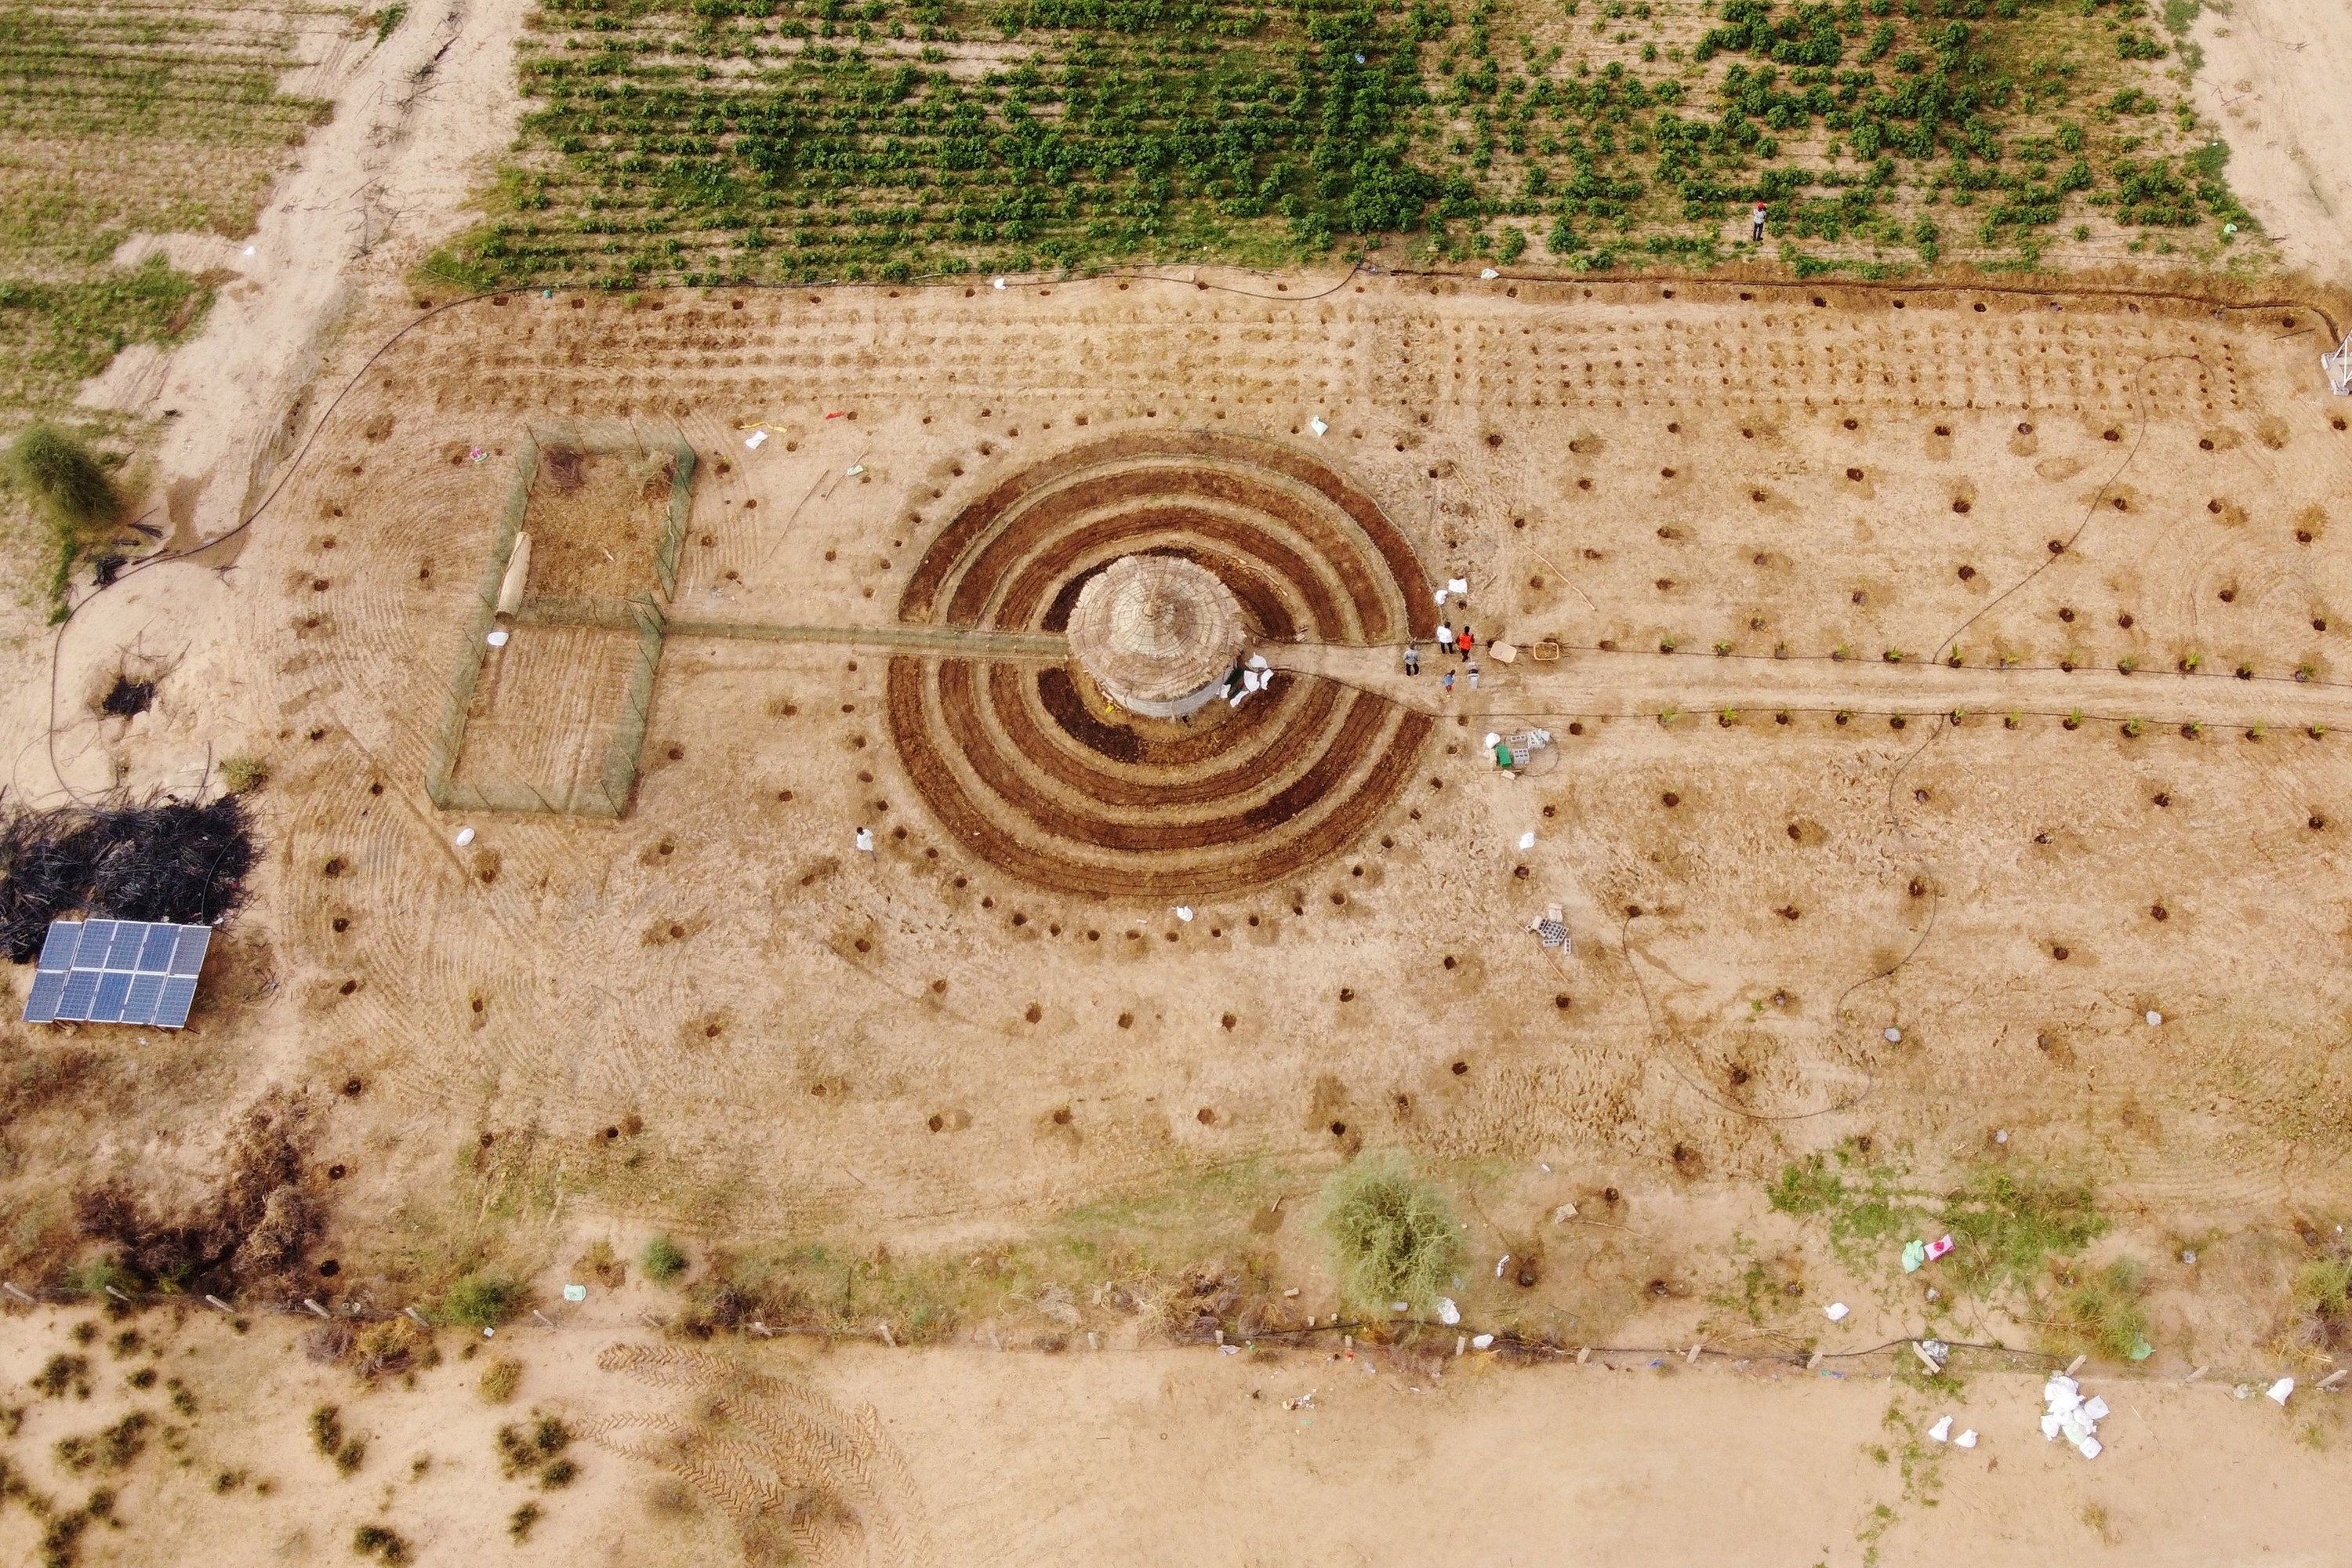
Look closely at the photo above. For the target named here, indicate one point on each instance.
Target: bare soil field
(1947, 703)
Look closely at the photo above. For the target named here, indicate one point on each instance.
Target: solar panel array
(117, 971)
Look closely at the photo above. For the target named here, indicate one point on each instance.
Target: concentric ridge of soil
(1016, 761)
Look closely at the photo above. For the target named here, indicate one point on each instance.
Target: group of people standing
(1448, 641)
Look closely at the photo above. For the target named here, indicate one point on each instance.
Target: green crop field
(745, 140)
(117, 119)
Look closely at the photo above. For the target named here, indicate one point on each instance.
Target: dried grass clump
(499, 1379)
(1393, 1236)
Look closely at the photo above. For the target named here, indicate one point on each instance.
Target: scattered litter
(1499, 1263)
(2228, 228)
(1934, 1294)
(1400, 1306)
(575, 1292)
(2278, 1392)
(2329, 1384)
(2001, 1135)
(489, 1334)
(1836, 1312)
(1257, 661)
(1563, 1213)
(1941, 1432)
(999, 283)
(1552, 931)
(1940, 1247)
(1493, 740)
(2187, 1255)
(1526, 840)
(1894, 1036)
(2141, 1350)
(249, 250)
(1914, 1256)
(836, 414)
(465, 837)
(853, 470)
(1488, 273)
(2242, 1391)
(865, 840)
(1481, 1341)
(1459, 586)
(1505, 653)
(1231, 1350)
(2154, 1017)
(1932, 1354)
(1317, 425)
(1448, 1312)
(479, 455)
(1440, 596)
(1966, 1439)
(1184, 913)
(755, 440)
(497, 639)
(2070, 1416)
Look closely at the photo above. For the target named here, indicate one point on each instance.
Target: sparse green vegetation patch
(114, 121)
(753, 140)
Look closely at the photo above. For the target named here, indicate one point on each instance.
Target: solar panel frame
(128, 972)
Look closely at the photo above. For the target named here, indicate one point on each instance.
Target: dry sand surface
(1161, 1456)
(2273, 78)
(1755, 523)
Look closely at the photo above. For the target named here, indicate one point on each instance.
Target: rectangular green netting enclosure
(553, 718)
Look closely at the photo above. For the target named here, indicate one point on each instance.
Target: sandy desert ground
(1948, 711)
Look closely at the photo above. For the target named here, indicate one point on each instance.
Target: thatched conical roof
(1156, 628)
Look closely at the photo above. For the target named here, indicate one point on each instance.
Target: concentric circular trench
(1039, 775)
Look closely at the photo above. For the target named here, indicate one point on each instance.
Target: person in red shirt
(1464, 642)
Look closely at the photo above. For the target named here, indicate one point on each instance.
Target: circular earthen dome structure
(1158, 634)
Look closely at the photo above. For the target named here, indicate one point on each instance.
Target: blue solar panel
(113, 986)
(179, 994)
(139, 1005)
(41, 1004)
(193, 941)
(57, 952)
(156, 955)
(107, 971)
(73, 1002)
(123, 951)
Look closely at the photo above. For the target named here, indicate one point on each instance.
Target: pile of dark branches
(157, 860)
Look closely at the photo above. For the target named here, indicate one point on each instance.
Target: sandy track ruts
(788, 1439)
